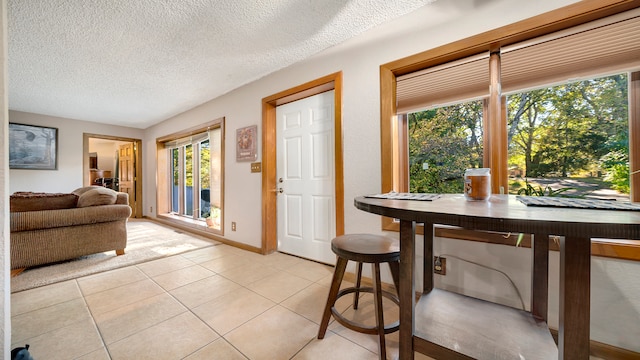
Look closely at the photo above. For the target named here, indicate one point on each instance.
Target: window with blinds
(601, 53)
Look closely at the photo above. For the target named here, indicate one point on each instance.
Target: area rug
(146, 240)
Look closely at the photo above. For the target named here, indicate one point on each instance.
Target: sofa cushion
(97, 196)
(82, 190)
(31, 201)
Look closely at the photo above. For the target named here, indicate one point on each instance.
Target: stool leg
(338, 274)
(378, 308)
(394, 266)
(356, 294)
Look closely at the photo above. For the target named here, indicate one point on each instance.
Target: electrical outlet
(233, 226)
(439, 265)
(151, 209)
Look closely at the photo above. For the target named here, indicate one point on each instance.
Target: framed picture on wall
(33, 147)
(246, 143)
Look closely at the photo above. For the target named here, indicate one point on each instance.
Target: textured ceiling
(138, 62)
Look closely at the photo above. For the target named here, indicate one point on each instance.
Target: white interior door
(305, 168)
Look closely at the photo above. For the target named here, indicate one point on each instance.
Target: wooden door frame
(269, 154)
(137, 149)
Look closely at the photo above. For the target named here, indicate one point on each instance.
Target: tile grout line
(220, 336)
(148, 277)
(190, 310)
(302, 348)
(81, 297)
(106, 347)
(93, 320)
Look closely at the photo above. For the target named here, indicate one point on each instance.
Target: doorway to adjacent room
(116, 163)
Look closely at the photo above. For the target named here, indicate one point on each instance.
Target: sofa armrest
(46, 219)
(122, 198)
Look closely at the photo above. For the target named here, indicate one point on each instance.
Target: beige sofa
(47, 228)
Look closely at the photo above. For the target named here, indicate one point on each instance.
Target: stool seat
(367, 248)
(374, 250)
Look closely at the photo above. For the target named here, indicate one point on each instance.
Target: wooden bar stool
(374, 250)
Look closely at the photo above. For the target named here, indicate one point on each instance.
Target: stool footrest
(352, 325)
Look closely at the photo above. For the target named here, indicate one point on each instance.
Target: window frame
(196, 179)
(394, 153)
(164, 178)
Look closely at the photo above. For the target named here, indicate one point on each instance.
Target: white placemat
(577, 203)
(406, 196)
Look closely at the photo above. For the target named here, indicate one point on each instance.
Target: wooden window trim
(394, 162)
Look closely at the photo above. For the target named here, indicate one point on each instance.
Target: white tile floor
(215, 303)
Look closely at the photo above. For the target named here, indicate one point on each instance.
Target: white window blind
(464, 79)
(599, 48)
(215, 146)
(604, 47)
(186, 140)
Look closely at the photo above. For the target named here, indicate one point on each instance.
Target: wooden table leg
(427, 263)
(406, 291)
(540, 280)
(575, 298)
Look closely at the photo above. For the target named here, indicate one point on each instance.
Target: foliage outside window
(175, 179)
(188, 180)
(574, 135)
(571, 135)
(443, 142)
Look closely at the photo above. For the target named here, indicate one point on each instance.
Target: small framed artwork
(33, 147)
(246, 143)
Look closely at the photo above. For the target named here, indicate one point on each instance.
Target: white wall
(359, 60)
(106, 156)
(5, 286)
(106, 151)
(615, 286)
(615, 304)
(70, 137)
